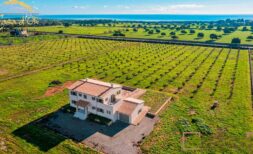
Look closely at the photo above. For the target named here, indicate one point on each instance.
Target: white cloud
(80, 7)
(36, 8)
(186, 6)
(171, 9)
(123, 6)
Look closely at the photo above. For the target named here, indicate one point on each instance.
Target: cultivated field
(197, 75)
(6, 39)
(98, 30)
(27, 57)
(143, 33)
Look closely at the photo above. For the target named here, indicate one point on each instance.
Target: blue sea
(141, 17)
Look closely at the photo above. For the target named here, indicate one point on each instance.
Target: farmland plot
(31, 56)
(199, 76)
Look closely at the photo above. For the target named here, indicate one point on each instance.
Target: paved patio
(119, 138)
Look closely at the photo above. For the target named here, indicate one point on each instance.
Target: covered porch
(81, 110)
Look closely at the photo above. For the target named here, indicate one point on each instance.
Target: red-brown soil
(57, 89)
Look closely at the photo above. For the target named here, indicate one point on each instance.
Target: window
(100, 100)
(93, 98)
(84, 96)
(93, 108)
(73, 102)
(100, 110)
(113, 98)
(106, 99)
(118, 92)
(73, 93)
(80, 95)
(108, 112)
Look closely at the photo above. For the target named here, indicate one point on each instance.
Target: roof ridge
(90, 81)
(79, 84)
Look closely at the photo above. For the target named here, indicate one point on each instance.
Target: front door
(123, 118)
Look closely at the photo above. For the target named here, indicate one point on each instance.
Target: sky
(132, 6)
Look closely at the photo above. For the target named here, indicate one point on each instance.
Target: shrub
(228, 30)
(151, 32)
(174, 37)
(219, 28)
(60, 32)
(66, 24)
(204, 129)
(201, 126)
(201, 35)
(245, 29)
(118, 33)
(183, 31)
(54, 83)
(172, 33)
(236, 41)
(157, 31)
(183, 125)
(163, 34)
(250, 37)
(192, 31)
(100, 120)
(213, 36)
(210, 26)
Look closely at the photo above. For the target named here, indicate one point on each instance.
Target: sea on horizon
(137, 17)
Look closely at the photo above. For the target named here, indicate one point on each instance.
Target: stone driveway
(119, 138)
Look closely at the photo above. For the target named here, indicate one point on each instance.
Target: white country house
(105, 99)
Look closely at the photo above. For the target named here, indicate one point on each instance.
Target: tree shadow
(50, 130)
(198, 38)
(210, 41)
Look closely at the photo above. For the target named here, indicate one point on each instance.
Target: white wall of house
(104, 109)
(107, 96)
(108, 111)
(136, 112)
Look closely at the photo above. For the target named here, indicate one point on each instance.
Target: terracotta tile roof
(74, 85)
(112, 85)
(92, 87)
(127, 107)
(82, 103)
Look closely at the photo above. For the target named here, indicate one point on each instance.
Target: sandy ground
(57, 89)
(3, 72)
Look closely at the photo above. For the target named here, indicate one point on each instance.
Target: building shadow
(39, 136)
(79, 130)
(52, 129)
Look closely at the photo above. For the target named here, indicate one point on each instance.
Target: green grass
(27, 57)
(98, 30)
(155, 99)
(23, 103)
(6, 39)
(141, 33)
(198, 75)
